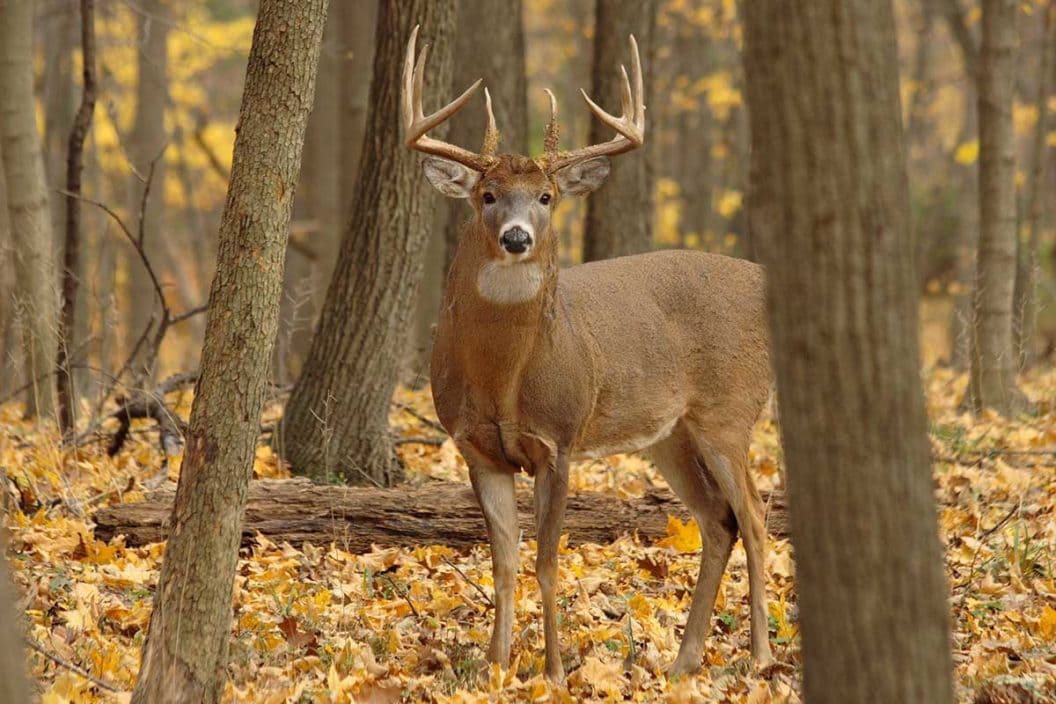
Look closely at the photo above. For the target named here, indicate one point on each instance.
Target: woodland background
(329, 622)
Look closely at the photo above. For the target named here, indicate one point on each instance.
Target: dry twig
(71, 667)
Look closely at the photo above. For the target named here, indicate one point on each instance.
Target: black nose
(515, 240)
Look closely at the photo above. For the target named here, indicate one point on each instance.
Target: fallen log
(442, 513)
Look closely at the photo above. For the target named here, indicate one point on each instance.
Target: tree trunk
(65, 401)
(61, 35)
(435, 513)
(13, 683)
(620, 215)
(960, 328)
(145, 145)
(489, 44)
(184, 658)
(1026, 308)
(336, 421)
(10, 355)
(831, 203)
(32, 237)
(993, 372)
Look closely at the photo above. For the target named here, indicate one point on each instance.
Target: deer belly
(596, 443)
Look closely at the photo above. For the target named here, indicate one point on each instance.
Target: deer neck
(501, 312)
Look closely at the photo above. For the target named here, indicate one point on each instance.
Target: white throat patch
(508, 283)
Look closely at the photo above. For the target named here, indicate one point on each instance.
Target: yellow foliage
(728, 202)
(967, 153)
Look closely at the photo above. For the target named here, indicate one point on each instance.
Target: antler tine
(417, 124)
(491, 132)
(629, 127)
(553, 131)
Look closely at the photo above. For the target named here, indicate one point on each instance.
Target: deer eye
(489, 198)
(545, 199)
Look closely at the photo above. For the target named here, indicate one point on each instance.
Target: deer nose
(516, 240)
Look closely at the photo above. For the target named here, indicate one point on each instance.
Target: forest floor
(321, 625)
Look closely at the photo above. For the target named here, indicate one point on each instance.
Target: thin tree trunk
(993, 372)
(27, 202)
(145, 145)
(620, 215)
(336, 421)
(61, 34)
(960, 328)
(831, 203)
(1026, 312)
(10, 354)
(184, 658)
(13, 684)
(72, 241)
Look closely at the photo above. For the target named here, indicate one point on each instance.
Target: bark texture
(831, 205)
(993, 371)
(145, 145)
(1026, 309)
(297, 511)
(185, 655)
(620, 215)
(336, 422)
(32, 237)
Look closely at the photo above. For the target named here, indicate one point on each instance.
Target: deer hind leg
(727, 460)
(684, 470)
(495, 494)
(551, 494)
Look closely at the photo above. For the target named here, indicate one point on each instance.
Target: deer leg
(729, 466)
(551, 493)
(688, 477)
(498, 502)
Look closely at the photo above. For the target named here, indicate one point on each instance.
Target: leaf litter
(319, 624)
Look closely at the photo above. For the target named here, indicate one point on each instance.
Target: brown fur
(603, 359)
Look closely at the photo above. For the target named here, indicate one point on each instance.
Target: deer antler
(416, 124)
(630, 126)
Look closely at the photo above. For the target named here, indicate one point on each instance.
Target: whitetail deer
(533, 367)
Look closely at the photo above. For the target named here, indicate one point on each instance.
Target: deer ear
(449, 177)
(584, 177)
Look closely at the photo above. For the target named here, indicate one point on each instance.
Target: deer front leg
(551, 493)
(495, 494)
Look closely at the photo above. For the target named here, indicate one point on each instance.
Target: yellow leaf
(1047, 624)
(682, 537)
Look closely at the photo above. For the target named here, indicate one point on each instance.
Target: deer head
(514, 196)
